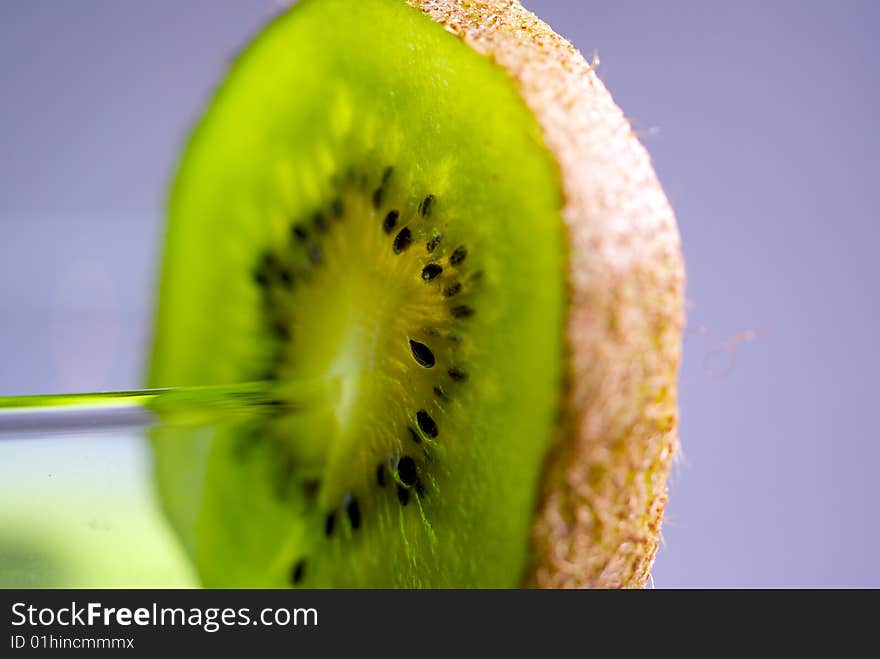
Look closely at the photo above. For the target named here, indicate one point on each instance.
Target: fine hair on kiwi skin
(604, 485)
(600, 473)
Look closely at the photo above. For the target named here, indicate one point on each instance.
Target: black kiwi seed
(458, 256)
(354, 513)
(315, 254)
(261, 278)
(329, 523)
(380, 475)
(379, 193)
(426, 423)
(402, 495)
(310, 488)
(320, 223)
(462, 311)
(406, 470)
(457, 374)
(438, 390)
(422, 354)
(390, 221)
(453, 290)
(337, 208)
(298, 572)
(402, 241)
(263, 274)
(425, 206)
(413, 435)
(433, 243)
(282, 331)
(431, 271)
(286, 277)
(298, 231)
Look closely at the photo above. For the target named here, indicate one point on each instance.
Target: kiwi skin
(604, 483)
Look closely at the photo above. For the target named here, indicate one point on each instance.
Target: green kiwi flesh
(367, 202)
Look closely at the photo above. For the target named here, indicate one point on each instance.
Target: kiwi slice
(450, 257)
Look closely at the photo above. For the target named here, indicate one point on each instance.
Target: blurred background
(761, 118)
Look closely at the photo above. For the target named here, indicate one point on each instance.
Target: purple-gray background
(762, 118)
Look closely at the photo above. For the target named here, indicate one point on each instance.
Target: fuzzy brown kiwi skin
(603, 490)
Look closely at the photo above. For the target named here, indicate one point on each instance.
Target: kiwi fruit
(427, 224)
